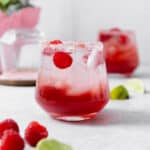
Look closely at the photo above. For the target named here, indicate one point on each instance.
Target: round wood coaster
(19, 78)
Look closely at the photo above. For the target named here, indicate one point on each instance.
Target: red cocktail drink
(72, 81)
(120, 51)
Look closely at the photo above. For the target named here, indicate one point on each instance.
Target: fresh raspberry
(11, 140)
(123, 39)
(62, 60)
(105, 37)
(34, 133)
(55, 42)
(8, 124)
(47, 51)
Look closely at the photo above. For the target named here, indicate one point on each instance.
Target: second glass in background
(120, 50)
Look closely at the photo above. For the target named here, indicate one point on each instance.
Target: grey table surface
(122, 125)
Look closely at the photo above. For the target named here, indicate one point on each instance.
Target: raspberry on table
(34, 133)
(8, 124)
(11, 140)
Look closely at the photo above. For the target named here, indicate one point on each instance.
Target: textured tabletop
(122, 125)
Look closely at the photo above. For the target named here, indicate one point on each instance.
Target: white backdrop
(82, 19)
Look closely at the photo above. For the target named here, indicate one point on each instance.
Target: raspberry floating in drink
(62, 60)
(55, 42)
(105, 37)
(120, 49)
(72, 82)
(47, 45)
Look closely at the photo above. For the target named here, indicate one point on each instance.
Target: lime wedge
(52, 144)
(135, 86)
(119, 93)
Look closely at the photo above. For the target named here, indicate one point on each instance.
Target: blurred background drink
(120, 49)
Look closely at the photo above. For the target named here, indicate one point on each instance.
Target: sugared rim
(71, 46)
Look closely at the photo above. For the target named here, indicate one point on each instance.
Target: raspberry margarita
(120, 50)
(72, 82)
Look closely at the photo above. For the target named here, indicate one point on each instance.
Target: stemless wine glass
(121, 52)
(72, 82)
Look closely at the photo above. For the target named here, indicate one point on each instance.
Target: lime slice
(119, 93)
(135, 86)
(52, 144)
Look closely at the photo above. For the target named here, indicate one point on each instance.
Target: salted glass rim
(73, 46)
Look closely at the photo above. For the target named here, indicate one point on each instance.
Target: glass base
(73, 118)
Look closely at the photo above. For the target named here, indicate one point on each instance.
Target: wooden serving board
(22, 77)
